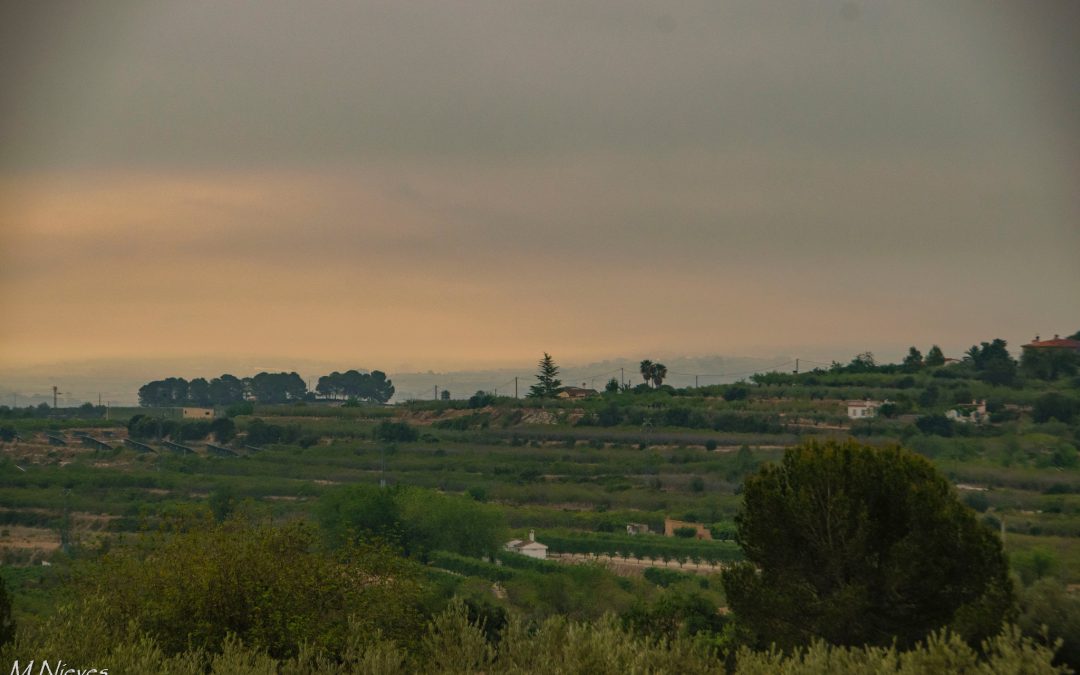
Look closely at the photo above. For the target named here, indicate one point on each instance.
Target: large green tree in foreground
(861, 545)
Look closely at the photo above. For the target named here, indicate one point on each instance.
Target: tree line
(373, 387)
(989, 362)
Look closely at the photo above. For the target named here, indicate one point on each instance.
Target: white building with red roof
(1056, 343)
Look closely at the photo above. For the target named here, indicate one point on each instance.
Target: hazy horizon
(387, 184)
(116, 380)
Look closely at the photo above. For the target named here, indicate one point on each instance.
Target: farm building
(576, 392)
(858, 410)
(530, 548)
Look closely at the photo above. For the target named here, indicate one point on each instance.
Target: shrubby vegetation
(197, 583)
(452, 643)
(1051, 614)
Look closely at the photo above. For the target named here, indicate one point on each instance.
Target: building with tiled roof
(576, 392)
(1056, 343)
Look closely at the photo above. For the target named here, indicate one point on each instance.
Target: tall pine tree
(547, 382)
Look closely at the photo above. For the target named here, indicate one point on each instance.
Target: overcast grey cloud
(254, 82)
(877, 173)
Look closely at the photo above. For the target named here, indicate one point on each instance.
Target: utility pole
(695, 382)
(622, 378)
(54, 392)
(436, 392)
(796, 366)
(515, 386)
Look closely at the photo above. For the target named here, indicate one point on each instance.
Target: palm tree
(659, 372)
(647, 370)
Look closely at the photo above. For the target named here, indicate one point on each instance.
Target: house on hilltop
(1056, 343)
(1050, 359)
(576, 392)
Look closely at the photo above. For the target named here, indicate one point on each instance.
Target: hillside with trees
(334, 537)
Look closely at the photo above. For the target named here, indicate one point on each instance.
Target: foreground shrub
(269, 587)
(451, 643)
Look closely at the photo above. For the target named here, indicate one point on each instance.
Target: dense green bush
(1055, 406)
(394, 432)
(260, 433)
(938, 425)
(675, 614)
(1048, 613)
(663, 577)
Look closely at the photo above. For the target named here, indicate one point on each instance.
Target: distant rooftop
(1056, 343)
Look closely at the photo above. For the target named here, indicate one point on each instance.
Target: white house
(531, 548)
(858, 410)
(971, 413)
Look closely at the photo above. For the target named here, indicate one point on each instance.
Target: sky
(429, 184)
